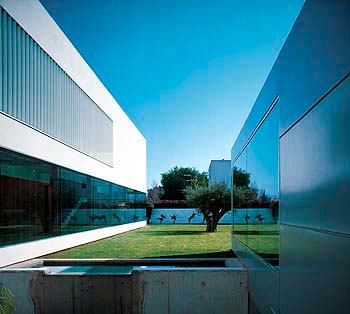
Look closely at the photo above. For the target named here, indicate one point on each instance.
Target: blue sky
(186, 72)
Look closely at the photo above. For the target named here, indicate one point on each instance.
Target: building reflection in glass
(256, 191)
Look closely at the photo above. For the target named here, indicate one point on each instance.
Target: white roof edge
(53, 40)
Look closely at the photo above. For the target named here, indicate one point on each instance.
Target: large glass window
(27, 204)
(256, 191)
(40, 200)
(75, 198)
(240, 185)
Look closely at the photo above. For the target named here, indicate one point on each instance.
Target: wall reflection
(40, 200)
(256, 191)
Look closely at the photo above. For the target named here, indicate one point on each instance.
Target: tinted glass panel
(240, 185)
(41, 200)
(75, 201)
(27, 204)
(262, 165)
(256, 191)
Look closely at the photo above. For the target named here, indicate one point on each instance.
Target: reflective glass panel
(27, 206)
(40, 200)
(240, 180)
(263, 203)
(256, 191)
(75, 201)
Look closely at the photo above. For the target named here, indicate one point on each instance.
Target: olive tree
(212, 202)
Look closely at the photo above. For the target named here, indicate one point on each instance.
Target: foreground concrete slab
(152, 286)
(190, 291)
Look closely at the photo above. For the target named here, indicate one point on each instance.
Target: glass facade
(40, 200)
(256, 191)
(35, 90)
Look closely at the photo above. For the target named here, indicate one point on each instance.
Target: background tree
(212, 202)
(155, 193)
(240, 178)
(242, 192)
(149, 209)
(275, 209)
(177, 179)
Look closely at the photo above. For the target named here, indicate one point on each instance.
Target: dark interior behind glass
(40, 200)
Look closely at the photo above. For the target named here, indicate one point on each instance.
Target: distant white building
(220, 171)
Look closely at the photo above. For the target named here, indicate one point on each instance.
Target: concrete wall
(190, 291)
(34, 293)
(82, 294)
(179, 291)
(19, 284)
(129, 145)
(28, 250)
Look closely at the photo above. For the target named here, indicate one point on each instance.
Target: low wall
(20, 252)
(179, 290)
(183, 215)
(193, 291)
(239, 216)
(100, 216)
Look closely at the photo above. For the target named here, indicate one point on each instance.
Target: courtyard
(156, 241)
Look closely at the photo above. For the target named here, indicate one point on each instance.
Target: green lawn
(178, 240)
(156, 241)
(263, 239)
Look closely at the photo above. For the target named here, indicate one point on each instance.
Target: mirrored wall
(256, 191)
(40, 200)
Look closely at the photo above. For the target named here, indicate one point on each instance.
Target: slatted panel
(35, 90)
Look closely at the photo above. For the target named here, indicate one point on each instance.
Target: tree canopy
(155, 193)
(240, 178)
(213, 202)
(177, 179)
(247, 194)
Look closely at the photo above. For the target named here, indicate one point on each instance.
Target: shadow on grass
(254, 232)
(221, 254)
(174, 233)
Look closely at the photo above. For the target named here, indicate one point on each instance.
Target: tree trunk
(210, 226)
(213, 221)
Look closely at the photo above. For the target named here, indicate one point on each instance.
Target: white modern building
(220, 172)
(70, 158)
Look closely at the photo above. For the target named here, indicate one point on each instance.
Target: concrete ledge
(189, 290)
(24, 251)
(196, 286)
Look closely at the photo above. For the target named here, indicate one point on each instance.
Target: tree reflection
(246, 194)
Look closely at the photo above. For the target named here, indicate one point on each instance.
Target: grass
(156, 241)
(263, 239)
(178, 241)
